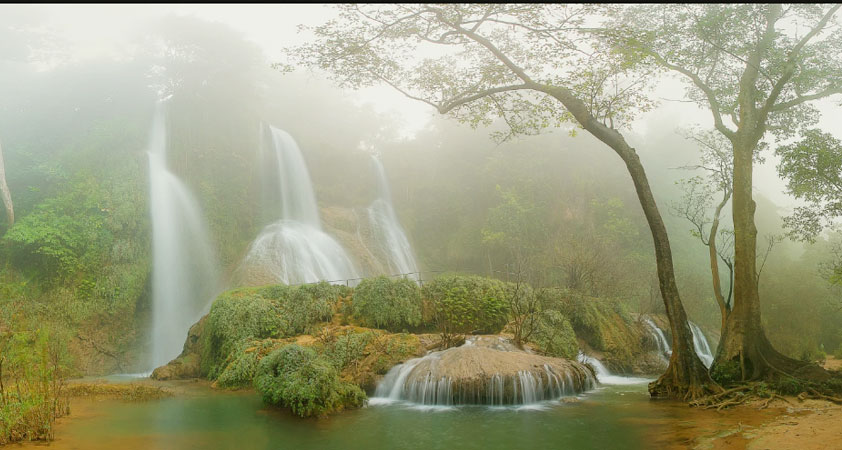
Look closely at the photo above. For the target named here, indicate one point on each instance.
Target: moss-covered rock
(604, 324)
(186, 365)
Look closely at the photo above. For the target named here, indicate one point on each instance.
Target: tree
(813, 170)
(694, 206)
(760, 66)
(532, 66)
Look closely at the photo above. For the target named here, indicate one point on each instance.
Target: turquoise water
(616, 417)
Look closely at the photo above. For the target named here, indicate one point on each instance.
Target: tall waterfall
(387, 229)
(700, 345)
(184, 273)
(294, 249)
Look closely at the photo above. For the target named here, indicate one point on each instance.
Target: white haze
(76, 33)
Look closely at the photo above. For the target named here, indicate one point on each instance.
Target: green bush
(467, 304)
(381, 302)
(276, 311)
(347, 348)
(298, 378)
(241, 365)
(235, 317)
(553, 335)
(31, 384)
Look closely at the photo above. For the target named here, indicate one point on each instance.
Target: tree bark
(4, 191)
(686, 377)
(744, 344)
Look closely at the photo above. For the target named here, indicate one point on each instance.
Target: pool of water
(617, 417)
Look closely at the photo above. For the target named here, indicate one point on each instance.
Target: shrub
(347, 348)
(553, 335)
(32, 393)
(466, 304)
(276, 311)
(298, 378)
(393, 305)
(241, 365)
(235, 317)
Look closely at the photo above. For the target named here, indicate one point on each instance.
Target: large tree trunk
(4, 191)
(744, 343)
(686, 377)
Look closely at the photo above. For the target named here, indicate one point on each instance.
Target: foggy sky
(76, 33)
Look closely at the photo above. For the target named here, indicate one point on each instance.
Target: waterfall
(700, 345)
(604, 376)
(294, 249)
(184, 274)
(387, 229)
(663, 344)
(489, 377)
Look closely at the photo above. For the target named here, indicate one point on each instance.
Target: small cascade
(294, 249)
(663, 344)
(472, 375)
(184, 273)
(604, 376)
(387, 230)
(700, 345)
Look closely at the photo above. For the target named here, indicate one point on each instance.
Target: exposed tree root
(772, 397)
(816, 395)
(737, 396)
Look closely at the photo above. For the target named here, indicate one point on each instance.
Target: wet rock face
(487, 372)
(186, 365)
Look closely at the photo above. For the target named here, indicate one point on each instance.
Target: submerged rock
(484, 375)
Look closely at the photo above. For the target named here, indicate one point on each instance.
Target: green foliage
(467, 304)
(241, 364)
(347, 348)
(391, 304)
(65, 233)
(276, 311)
(554, 336)
(298, 378)
(813, 170)
(32, 368)
(604, 323)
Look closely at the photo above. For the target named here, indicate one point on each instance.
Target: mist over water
(184, 274)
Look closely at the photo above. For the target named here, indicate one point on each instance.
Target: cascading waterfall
(294, 249)
(184, 273)
(700, 345)
(439, 379)
(387, 229)
(663, 345)
(604, 376)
